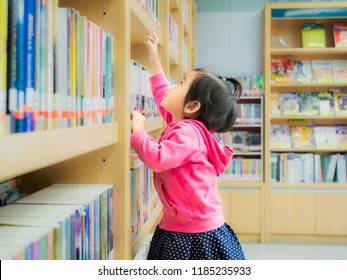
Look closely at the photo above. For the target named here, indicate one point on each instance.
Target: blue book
(29, 65)
(21, 26)
(12, 64)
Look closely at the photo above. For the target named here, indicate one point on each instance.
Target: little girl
(186, 162)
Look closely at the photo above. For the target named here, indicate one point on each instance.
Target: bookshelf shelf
(142, 24)
(27, 152)
(309, 51)
(240, 184)
(150, 223)
(101, 154)
(308, 186)
(308, 198)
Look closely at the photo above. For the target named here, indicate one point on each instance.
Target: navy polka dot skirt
(219, 244)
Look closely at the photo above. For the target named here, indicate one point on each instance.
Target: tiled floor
(294, 251)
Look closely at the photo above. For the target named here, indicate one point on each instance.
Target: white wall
(230, 43)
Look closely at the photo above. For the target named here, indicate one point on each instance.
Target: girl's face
(174, 99)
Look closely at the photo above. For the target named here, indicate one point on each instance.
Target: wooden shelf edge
(137, 242)
(308, 51)
(325, 186)
(153, 124)
(26, 152)
(241, 184)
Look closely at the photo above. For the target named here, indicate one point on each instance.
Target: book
(302, 137)
(341, 174)
(326, 103)
(325, 137)
(341, 104)
(282, 69)
(280, 136)
(341, 136)
(289, 104)
(340, 35)
(340, 70)
(3, 62)
(302, 72)
(275, 104)
(309, 103)
(322, 71)
(313, 35)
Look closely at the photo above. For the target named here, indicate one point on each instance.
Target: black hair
(218, 98)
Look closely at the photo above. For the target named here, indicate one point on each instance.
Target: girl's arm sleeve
(160, 86)
(180, 147)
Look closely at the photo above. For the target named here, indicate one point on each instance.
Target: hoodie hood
(218, 153)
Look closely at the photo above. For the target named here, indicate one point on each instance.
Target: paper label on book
(13, 99)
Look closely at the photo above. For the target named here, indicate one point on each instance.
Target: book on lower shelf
(81, 216)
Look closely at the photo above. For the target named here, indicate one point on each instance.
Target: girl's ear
(192, 107)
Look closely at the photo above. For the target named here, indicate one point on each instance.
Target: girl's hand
(138, 121)
(152, 42)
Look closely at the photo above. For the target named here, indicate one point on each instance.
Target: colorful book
(282, 69)
(341, 136)
(340, 35)
(322, 71)
(341, 104)
(29, 65)
(313, 35)
(326, 103)
(279, 136)
(325, 137)
(302, 137)
(289, 104)
(3, 62)
(302, 72)
(275, 104)
(309, 103)
(340, 70)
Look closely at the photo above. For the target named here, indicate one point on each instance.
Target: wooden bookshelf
(101, 153)
(306, 212)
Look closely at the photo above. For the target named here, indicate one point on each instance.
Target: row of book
(242, 141)
(249, 113)
(141, 97)
(284, 69)
(152, 9)
(325, 103)
(308, 168)
(243, 169)
(252, 85)
(62, 221)
(308, 137)
(173, 37)
(9, 191)
(313, 35)
(143, 195)
(56, 68)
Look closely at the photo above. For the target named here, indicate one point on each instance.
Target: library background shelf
(304, 212)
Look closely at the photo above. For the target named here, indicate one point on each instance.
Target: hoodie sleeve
(160, 86)
(180, 146)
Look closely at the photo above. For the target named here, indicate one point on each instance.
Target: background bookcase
(101, 154)
(245, 218)
(302, 211)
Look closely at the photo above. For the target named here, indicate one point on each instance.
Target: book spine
(29, 67)
(3, 63)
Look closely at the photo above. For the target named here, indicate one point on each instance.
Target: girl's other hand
(138, 121)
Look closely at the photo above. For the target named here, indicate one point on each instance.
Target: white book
(341, 169)
(331, 169)
(325, 137)
(308, 168)
(317, 169)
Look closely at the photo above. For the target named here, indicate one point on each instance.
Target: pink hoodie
(186, 162)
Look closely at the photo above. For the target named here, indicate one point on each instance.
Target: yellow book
(73, 67)
(3, 61)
